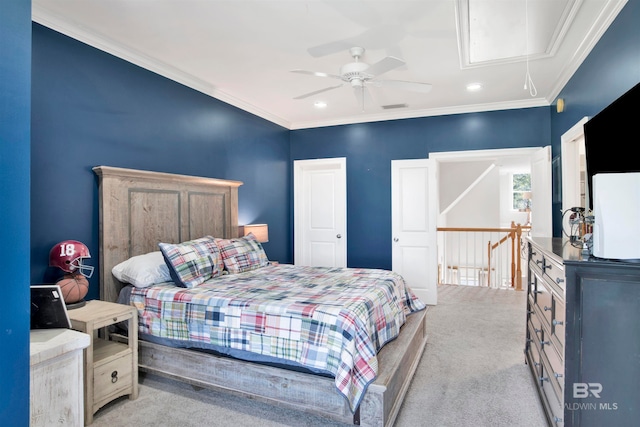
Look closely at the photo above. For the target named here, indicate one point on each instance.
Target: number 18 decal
(68, 249)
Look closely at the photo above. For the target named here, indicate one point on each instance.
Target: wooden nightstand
(110, 367)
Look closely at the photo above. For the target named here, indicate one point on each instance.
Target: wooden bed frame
(138, 209)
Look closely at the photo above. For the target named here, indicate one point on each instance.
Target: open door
(541, 194)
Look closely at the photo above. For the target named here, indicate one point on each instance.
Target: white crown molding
(475, 108)
(49, 19)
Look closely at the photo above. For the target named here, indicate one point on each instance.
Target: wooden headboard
(139, 209)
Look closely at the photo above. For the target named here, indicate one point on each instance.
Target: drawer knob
(557, 419)
(547, 266)
(557, 322)
(558, 375)
(538, 261)
(542, 379)
(543, 343)
(547, 308)
(559, 280)
(114, 377)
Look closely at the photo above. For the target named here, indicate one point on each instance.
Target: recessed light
(473, 87)
(320, 104)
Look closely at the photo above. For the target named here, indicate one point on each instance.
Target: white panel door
(320, 212)
(541, 214)
(413, 218)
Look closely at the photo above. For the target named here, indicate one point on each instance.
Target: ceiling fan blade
(330, 48)
(306, 95)
(359, 12)
(385, 65)
(317, 74)
(403, 85)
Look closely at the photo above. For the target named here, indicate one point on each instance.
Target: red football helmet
(68, 255)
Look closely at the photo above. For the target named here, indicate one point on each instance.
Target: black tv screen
(611, 138)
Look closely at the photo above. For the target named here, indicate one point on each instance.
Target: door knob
(395, 239)
(339, 236)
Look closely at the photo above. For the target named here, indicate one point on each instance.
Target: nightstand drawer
(112, 379)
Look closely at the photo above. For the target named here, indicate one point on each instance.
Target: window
(521, 191)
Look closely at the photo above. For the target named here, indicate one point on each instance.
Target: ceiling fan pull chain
(528, 81)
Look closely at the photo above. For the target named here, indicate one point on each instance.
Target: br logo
(583, 390)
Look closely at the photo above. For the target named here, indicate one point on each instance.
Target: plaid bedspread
(331, 319)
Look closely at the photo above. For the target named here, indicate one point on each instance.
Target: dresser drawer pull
(543, 343)
(557, 322)
(547, 308)
(558, 375)
(542, 379)
(557, 420)
(559, 280)
(546, 266)
(114, 377)
(539, 261)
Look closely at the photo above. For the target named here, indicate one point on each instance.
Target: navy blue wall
(15, 98)
(611, 69)
(370, 147)
(90, 108)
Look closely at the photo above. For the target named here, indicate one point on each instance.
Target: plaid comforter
(331, 319)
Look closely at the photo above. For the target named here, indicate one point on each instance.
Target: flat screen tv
(611, 138)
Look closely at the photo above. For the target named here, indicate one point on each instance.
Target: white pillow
(143, 271)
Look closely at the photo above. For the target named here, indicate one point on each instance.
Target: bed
(139, 209)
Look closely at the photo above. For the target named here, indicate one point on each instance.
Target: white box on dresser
(56, 385)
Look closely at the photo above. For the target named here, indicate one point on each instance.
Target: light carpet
(472, 373)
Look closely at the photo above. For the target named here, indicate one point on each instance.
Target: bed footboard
(309, 393)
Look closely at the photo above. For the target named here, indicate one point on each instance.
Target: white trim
(569, 157)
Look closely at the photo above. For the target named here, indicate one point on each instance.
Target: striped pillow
(192, 263)
(242, 254)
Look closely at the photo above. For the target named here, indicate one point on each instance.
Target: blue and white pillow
(242, 254)
(194, 262)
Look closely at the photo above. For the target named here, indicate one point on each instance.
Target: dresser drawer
(555, 405)
(558, 323)
(544, 302)
(554, 274)
(555, 367)
(534, 349)
(112, 379)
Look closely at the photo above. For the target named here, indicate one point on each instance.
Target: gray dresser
(583, 335)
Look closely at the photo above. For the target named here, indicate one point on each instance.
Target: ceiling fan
(360, 74)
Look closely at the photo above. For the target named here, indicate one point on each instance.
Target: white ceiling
(242, 52)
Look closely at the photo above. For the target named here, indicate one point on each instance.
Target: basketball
(74, 287)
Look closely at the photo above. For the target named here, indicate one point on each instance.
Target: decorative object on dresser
(583, 337)
(56, 377)
(111, 367)
(69, 256)
(139, 209)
